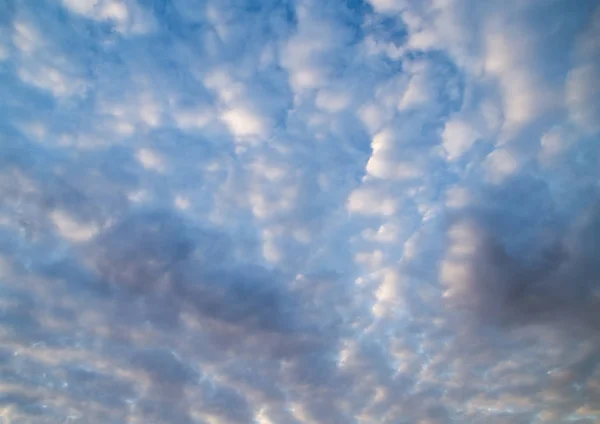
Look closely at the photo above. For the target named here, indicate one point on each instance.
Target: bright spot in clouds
(300, 211)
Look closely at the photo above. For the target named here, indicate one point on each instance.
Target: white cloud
(382, 164)
(500, 164)
(243, 122)
(26, 37)
(332, 101)
(127, 16)
(150, 160)
(386, 6)
(193, 119)
(455, 270)
(182, 202)
(521, 92)
(51, 79)
(553, 143)
(457, 197)
(387, 295)
(373, 117)
(417, 93)
(386, 233)
(71, 229)
(307, 52)
(458, 137)
(369, 201)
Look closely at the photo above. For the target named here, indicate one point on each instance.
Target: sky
(299, 211)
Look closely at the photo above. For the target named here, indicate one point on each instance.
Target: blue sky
(296, 211)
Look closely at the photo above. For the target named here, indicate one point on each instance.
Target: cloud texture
(295, 211)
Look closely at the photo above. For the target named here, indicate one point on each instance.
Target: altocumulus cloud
(267, 211)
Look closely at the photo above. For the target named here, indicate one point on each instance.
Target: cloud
(525, 264)
(155, 254)
(378, 211)
(458, 138)
(128, 17)
(582, 80)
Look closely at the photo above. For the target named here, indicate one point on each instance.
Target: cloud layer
(380, 211)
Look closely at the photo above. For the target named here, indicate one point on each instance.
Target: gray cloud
(156, 256)
(528, 263)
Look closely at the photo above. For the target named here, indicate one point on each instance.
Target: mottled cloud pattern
(296, 211)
